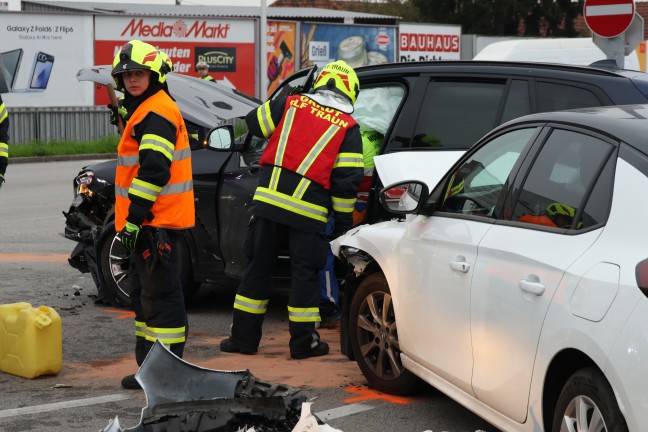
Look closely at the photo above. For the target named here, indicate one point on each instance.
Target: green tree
(503, 17)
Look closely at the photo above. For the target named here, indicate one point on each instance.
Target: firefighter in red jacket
(312, 165)
(4, 141)
(154, 199)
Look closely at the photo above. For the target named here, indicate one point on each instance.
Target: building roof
(133, 9)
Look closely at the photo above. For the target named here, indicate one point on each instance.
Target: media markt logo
(218, 59)
(180, 28)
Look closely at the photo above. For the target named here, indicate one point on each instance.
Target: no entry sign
(608, 18)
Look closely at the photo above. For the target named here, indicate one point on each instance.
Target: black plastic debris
(182, 397)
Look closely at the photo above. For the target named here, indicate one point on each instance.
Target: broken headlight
(83, 182)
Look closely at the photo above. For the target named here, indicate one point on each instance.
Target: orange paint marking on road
(33, 257)
(367, 394)
(124, 314)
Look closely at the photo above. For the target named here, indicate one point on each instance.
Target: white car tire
(587, 403)
(374, 338)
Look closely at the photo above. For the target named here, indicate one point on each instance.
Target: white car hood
(427, 166)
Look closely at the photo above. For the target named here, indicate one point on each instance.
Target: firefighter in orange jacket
(154, 199)
(312, 165)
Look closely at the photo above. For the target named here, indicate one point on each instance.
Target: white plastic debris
(308, 422)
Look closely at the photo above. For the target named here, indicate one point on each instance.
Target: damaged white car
(516, 282)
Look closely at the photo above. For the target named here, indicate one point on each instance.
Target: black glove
(338, 231)
(162, 246)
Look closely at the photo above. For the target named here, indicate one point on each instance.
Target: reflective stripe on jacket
(173, 203)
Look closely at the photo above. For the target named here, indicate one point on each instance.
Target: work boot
(320, 349)
(228, 345)
(130, 383)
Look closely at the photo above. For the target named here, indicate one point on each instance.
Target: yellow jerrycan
(31, 340)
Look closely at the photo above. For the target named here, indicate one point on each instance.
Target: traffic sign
(608, 18)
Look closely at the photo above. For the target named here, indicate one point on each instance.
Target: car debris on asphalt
(182, 397)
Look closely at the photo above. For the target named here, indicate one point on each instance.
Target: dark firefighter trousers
(308, 252)
(158, 299)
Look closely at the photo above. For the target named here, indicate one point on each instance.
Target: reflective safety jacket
(312, 164)
(4, 137)
(153, 184)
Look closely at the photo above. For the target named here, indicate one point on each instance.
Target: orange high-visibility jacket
(173, 203)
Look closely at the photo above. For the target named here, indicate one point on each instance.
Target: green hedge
(106, 144)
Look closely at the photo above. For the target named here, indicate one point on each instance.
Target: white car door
(521, 264)
(437, 257)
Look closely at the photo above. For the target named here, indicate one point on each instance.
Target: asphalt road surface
(98, 340)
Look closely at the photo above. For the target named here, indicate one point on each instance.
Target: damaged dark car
(223, 184)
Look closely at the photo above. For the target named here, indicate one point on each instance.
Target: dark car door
(240, 177)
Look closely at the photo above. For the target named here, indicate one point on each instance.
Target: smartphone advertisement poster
(39, 57)
(226, 45)
(420, 42)
(358, 45)
(281, 51)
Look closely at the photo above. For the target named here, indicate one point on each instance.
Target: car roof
(602, 68)
(629, 123)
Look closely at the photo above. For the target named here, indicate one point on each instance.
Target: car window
(557, 97)
(477, 185)
(298, 82)
(560, 179)
(517, 101)
(454, 115)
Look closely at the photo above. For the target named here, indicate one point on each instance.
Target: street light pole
(263, 49)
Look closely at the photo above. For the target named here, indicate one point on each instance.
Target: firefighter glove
(1, 180)
(162, 246)
(114, 112)
(128, 236)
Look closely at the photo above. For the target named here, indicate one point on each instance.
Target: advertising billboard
(422, 42)
(226, 45)
(358, 45)
(281, 52)
(40, 56)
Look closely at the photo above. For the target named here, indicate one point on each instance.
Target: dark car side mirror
(404, 197)
(221, 138)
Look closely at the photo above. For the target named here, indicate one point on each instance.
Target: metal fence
(59, 123)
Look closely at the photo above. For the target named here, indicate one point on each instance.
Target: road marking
(32, 257)
(365, 394)
(346, 410)
(124, 313)
(62, 405)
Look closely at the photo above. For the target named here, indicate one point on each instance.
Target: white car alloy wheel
(587, 403)
(374, 338)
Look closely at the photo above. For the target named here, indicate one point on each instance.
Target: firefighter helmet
(340, 78)
(167, 64)
(557, 208)
(137, 55)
